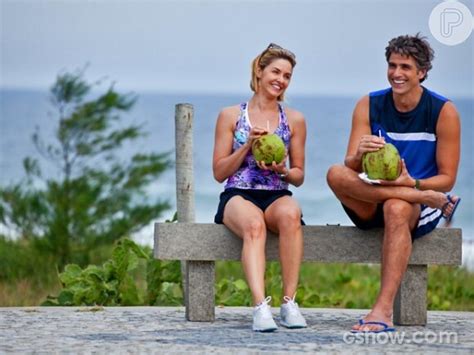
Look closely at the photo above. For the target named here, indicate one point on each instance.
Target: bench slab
(327, 244)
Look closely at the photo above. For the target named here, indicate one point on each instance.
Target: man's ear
(422, 73)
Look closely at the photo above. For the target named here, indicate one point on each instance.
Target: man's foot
(450, 207)
(372, 323)
(434, 199)
(290, 314)
(262, 317)
(385, 328)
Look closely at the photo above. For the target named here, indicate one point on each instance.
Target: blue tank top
(413, 132)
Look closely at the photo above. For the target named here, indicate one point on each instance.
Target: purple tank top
(249, 175)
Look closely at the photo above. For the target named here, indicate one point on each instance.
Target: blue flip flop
(450, 199)
(386, 327)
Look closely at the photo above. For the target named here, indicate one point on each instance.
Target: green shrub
(164, 283)
(108, 285)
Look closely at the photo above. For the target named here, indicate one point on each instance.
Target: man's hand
(404, 179)
(369, 143)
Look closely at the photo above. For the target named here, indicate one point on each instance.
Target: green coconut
(383, 164)
(269, 148)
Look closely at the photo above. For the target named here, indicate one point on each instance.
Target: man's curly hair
(414, 46)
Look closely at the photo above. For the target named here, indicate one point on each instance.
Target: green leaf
(65, 298)
(240, 285)
(139, 252)
(72, 274)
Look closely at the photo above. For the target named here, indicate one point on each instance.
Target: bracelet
(284, 175)
(417, 184)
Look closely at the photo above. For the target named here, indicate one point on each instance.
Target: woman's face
(275, 77)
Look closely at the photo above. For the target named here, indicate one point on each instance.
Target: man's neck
(408, 101)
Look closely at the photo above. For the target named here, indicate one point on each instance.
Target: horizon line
(218, 93)
(145, 91)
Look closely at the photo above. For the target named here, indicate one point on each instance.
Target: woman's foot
(262, 317)
(290, 314)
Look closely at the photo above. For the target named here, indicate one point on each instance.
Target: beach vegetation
(82, 192)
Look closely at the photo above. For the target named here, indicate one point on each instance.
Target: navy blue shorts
(260, 198)
(376, 222)
(429, 218)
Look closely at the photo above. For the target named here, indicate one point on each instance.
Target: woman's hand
(279, 168)
(255, 133)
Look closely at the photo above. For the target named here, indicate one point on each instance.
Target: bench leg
(410, 302)
(199, 294)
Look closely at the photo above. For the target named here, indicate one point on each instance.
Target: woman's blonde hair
(264, 59)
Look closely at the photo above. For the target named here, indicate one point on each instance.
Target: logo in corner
(451, 22)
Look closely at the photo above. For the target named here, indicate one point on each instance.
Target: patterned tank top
(249, 175)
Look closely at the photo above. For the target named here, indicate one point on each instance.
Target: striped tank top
(414, 135)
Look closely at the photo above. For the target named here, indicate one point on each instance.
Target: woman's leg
(284, 218)
(247, 221)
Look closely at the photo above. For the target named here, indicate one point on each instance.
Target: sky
(207, 46)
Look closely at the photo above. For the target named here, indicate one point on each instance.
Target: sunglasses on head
(276, 46)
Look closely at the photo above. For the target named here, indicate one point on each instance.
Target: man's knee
(335, 176)
(395, 210)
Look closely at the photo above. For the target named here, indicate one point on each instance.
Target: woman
(256, 196)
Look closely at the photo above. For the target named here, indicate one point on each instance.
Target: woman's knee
(254, 229)
(289, 218)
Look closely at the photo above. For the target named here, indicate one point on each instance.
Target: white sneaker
(290, 314)
(262, 317)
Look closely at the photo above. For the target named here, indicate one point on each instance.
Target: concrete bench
(203, 244)
(200, 245)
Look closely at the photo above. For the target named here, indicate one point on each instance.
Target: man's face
(403, 74)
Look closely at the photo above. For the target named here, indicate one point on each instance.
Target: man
(425, 127)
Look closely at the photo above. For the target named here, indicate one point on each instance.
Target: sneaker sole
(293, 326)
(269, 330)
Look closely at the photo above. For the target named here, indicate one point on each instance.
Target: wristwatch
(417, 184)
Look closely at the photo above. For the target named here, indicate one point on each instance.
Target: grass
(321, 285)
(355, 285)
(24, 293)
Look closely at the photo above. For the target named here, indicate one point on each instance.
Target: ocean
(328, 126)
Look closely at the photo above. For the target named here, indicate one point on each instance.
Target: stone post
(410, 302)
(198, 276)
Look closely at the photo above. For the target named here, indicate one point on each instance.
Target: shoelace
(265, 302)
(291, 302)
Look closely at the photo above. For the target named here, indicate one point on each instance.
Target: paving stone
(165, 330)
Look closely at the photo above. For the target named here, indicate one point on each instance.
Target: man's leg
(401, 211)
(362, 198)
(400, 218)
